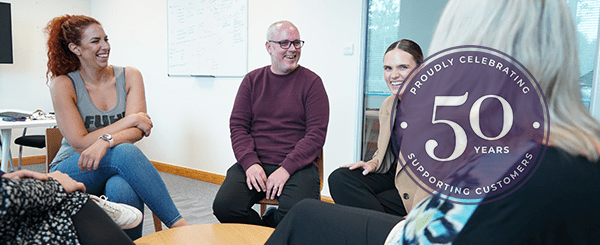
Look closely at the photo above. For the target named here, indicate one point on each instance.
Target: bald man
(278, 126)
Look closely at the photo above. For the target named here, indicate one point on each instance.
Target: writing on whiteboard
(207, 37)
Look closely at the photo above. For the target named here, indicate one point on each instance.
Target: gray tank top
(94, 118)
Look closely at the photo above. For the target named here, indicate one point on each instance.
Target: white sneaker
(125, 216)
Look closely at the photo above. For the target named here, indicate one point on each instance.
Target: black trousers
(234, 201)
(94, 226)
(316, 222)
(372, 191)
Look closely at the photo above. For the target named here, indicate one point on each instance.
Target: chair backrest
(53, 143)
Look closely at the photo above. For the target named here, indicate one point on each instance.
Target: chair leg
(20, 157)
(263, 209)
(157, 223)
(10, 161)
(21, 150)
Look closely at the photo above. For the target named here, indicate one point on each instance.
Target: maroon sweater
(279, 119)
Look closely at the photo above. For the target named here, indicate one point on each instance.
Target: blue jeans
(125, 175)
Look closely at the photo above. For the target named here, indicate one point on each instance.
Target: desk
(7, 128)
(209, 234)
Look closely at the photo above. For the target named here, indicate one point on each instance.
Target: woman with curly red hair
(101, 111)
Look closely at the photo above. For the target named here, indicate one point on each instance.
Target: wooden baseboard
(29, 160)
(189, 173)
(201, 175)
(327, 199)
(163, 167)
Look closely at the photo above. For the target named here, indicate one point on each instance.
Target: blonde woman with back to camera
(557, 205)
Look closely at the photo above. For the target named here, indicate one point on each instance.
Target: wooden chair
(264, 202)
(53, 143)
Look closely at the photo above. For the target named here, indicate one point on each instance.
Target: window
(586, 14)
(382, 30)
(391, 20)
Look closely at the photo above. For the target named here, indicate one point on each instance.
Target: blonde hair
(541, 35)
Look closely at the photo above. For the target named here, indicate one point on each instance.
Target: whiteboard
(207, 37)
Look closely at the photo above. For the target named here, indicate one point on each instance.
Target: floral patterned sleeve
(38, 212)
(432, 221)
(29, 197)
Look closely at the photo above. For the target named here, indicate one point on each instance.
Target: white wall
(191, 115)
(23, 84)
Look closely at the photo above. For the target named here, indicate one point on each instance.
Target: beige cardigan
(409, 191)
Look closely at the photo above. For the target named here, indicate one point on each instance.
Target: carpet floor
(192, 197)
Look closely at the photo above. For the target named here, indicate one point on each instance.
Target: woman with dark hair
(382, 185)
(101, 111)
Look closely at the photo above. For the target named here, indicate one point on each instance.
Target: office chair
(37, 141)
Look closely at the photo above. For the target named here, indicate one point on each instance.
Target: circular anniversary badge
(472, 125)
